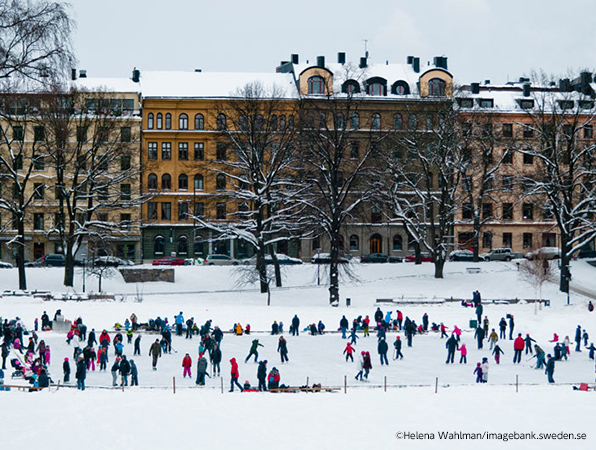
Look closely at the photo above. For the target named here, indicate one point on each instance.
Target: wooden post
(122, 383)
(345, 384)
(385, 383)
(307, 381)
(58, 385)
(436, 385)
(222, 385)
(174, 384)
(517, 383)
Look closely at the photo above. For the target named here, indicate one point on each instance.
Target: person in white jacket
(484, 366)
(360, 366)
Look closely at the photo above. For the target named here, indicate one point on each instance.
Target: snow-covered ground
(152, 416)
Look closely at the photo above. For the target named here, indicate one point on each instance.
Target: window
(507, 156)
(486, 102)
(39, 163)
(376, 89)
(166, 211)
(199, 122)
(125, 220)
(198, 182)
(527, 240)
(376, 121)
(166, 151)
(102, 194)
(273, 122)
(39, 133)
(354, 242)
(221, 122)
(199, 151)
(354, 121)
(436, 87)
(159, 245)
(150, 123)
(316, 85)
(220, 182)
(183, 151)
(548, 213)
(412, 122)
(528, 131)
(350, 87)
(588, 132)
(487, 239)
(586, 104)
(152, 211)
(220, 151)
(566, 104)
(429, 123)
(125, 192)
(183, 182)
(282, 123)
(322, 120)
(18, 133)
(526, 104)
(259, 122)
(125, 162)
(487, 210)
(507, 130)
(199, 209)
(182, 245)
(340, 122)
(507, 211)
(152, 182)
(549, 240)
(39, 191)
(182, 211)
(465, 102)
(400, 88)
(168, 121)
(398, 121)
(528, 159)
(467, 211)
(528, 211)
(159, 121)
(507, 240)
(152, 151)
(220, 211)
(166, 182)
(507, 182)
(397, 243)
(375, 214)
(568, 131)
(125, 134)
(354, 150)
(183, 122)
(38, 221)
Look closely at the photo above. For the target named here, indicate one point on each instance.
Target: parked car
(500, 254)
(284, 260)
(221, 260)
(587, 254)
(463, 255)
(110, 261)
(169, 261)
(5, 265)
(544, 253)
(424, 257)
(379, 258)
(52, 260)
(325, 258)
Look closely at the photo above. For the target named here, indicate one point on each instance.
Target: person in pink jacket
(457, 332)
(47, 355)
(187, 364)
(464, 353)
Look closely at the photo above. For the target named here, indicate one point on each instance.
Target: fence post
(307, 381)
(174, 384)
(222, 385)
(122, 383)
(436, 385)
(385, 383)
(345, 384)
(517, 383)
(58, 385)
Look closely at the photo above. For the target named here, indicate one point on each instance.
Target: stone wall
(146, 275)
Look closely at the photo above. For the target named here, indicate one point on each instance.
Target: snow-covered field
(151, 416)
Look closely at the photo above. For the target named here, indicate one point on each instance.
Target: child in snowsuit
(478, 372)
(464, 352)
(186, 364)
(498, 352)
(348, 352)
(591, 348)
(66, 370)
(361, 366)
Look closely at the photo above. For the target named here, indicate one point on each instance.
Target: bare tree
(537, 271)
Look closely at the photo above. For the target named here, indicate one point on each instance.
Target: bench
(473, 270)
(305, 389)
(20, 387)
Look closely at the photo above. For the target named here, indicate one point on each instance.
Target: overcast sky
(499, 40)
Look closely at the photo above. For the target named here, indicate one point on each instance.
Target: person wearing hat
(134, 373)
(66, 370)
(155, 352)
(273, 379)
(115, 369)
(234, 374)
(262, 375)
(81, 373)
(550, 368)
(361, 365)
(186, 364)
(397, 345)
(484, 366)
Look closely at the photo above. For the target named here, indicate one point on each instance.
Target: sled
(584, 387)
(305, 389)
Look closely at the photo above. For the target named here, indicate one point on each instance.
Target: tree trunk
(20, 257)
(262, 270)
(278, 281)
(334, 274)
(564, 274)
(100, 278)
(439, 264)
(69, 265)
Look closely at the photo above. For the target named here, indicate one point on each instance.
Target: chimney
(486, 82)
(475, 87)
(198, 70)
(416, 65)
(363, 63)
(440, 62)
(526, 89)
(320, 61)
(410, 60)
(586, 78)
(82, 73)
(565, 85)
(136, 75)
(341, 58)
(73, 74)
(295, 58)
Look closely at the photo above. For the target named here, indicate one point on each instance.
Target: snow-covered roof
(211, 84)
(106, 84)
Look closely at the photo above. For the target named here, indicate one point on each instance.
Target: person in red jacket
(235, 374)
(518, 347)
(348, 352)
(103, 338)
(273, 379)
(365, 325)
(187, 364)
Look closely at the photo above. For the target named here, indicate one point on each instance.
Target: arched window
(152, 181)
(166, 181)
(199, 122)
(397, 243)
(376, 121)
(354, 242)
(243, 122)
(354, 121)
(412, 122)
(182, 182)
(400, 88)
(282, 123)
(159, 121)
(316, 85)
(340, 122)
(259, 122)
(376, 243)
(158, 245)
(398, 121)
(182, 245)
(273, 122)
(198, 182)
(183, 122)
(436, 87)
(150, 123)
(221, 122)
(220, 182)
(376, 89)
(168, 121)
(350, 87)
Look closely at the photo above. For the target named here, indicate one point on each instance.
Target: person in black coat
(397, 344)
(378, 315)
(479, 335)
(382, 348)
(124, 370)
(282, 348)
(81, 373)
(66, 370)
(295, 326)
(91, 340)
(43, 381)
(262, 375)
(511, 326)
(425, 322)
(5, 352)
(451, 345)
(550, 368)
(578, 338)
(216, 359)
(502, 328)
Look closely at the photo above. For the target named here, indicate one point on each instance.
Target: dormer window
(526, 104)
(486, 102)
(586, 104)
(376, 86)
(316, 85)
(436, 87)
(566, 104)
(376, 89)
(465, 102)
(351, 87)
(400, 88)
